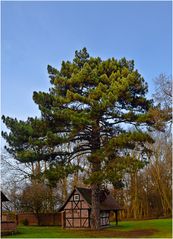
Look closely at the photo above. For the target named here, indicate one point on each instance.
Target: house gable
(76, 201)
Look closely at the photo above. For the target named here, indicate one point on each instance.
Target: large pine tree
(88, 111)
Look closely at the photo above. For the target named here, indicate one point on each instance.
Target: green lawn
(129, 229)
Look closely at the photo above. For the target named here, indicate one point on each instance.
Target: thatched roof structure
(107, 202)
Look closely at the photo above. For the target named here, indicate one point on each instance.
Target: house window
(76, 197)
(104, 214)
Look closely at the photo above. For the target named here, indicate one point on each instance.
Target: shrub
(25, 222)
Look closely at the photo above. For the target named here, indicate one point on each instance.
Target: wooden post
(63, 219)
(116, 217)
(89, 217)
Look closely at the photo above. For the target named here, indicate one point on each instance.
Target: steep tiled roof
(3, 197)
(107, 202)
(86, 193)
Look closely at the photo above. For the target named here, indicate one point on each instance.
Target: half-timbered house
(76, 211)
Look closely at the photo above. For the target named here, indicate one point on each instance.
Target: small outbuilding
(8, 226)
(76, 210)
(3, 199)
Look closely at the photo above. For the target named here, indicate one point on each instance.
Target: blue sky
(35, 34)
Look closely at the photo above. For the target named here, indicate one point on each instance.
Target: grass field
(130, 229)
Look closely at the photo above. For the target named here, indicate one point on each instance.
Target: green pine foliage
(87, 108)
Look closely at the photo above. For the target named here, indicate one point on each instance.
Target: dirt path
(138, 233)
(112, 233)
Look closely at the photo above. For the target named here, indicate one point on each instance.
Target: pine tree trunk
(95, 186)
(64, 189)
(95, 211)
